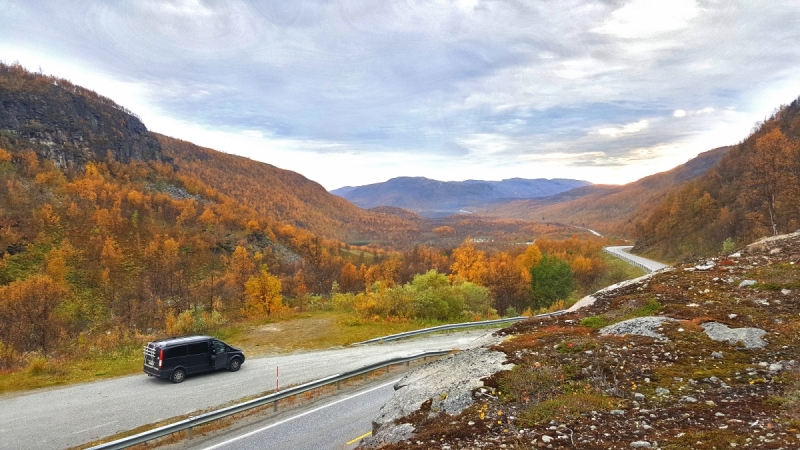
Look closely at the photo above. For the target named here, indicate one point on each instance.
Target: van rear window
(176, 352)
(200, 348)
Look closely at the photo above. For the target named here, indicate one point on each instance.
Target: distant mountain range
(433, 198)
(607, 208)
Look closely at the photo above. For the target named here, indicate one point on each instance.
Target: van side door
(219, 354)
(175, 357)
(199, 360)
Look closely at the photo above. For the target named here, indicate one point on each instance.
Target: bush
(728, 246)
(511, 312)
(428, 296)
(594, 322)
(37, 366)
(194, 321)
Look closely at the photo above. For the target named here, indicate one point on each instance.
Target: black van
(174, 358)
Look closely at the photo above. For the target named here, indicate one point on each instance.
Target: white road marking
(96, 426)
(299, 415)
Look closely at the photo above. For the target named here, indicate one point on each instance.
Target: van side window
(176, 352)
(200, 348)
(218, 347)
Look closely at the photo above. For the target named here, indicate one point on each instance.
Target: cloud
(625, 129)
(646, 18)
(501, 86)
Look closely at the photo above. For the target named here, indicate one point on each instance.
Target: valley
(112, 236)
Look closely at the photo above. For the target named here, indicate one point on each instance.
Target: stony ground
(648, 383)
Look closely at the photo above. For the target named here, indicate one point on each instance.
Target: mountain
(432, 198)
(603, 207)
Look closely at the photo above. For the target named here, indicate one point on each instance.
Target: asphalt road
(336, 423)
(73, 415)
(646, 264)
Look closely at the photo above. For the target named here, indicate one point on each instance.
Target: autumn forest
(111, 235)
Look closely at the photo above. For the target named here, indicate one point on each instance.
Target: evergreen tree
(551, 280)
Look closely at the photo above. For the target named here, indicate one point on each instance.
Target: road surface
(644, 263)
(77, 414)
(335, 423)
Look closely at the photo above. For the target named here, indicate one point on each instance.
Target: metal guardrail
(455, 326)
(192, 422)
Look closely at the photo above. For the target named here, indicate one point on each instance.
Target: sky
(357, 92)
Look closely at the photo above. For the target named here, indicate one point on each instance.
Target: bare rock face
(447, 382)
(69, 124)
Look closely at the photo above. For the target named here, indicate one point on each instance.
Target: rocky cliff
(697, 356)
(69, 124)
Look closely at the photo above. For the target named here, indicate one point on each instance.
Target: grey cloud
(420, 77)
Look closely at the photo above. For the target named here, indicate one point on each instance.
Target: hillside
(611, 209)
(285, 196)
(753, 191)
(700, 356)
(432, 198)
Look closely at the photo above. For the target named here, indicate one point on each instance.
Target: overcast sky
(357, 92)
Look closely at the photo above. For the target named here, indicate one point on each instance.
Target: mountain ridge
(607, 208)
(432, 198)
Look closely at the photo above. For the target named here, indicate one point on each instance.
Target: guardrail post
(407, 362)
(189, 432)
(388, 368)
(338, 385)
(275, 406)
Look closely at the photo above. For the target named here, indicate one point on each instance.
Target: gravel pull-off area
(750, 337)
(447, 382)
(640, 326)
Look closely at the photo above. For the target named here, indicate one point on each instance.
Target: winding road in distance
(73, 415)
(622, 252)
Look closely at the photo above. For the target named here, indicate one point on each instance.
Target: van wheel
(234, 365)
(178, 375)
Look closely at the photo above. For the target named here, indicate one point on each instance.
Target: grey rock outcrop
(447, 382)
(749, 337)
(641, 326)
(69, 124)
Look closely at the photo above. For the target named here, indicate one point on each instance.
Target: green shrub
(650, 308)
(728, 246)
(594, 322)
